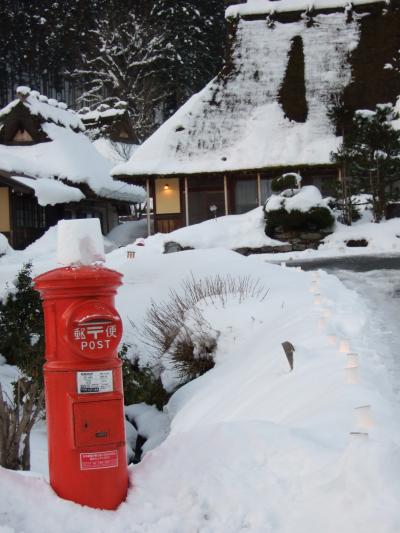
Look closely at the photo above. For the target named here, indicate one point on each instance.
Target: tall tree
(371, 155)
(118, 65)
(154, 56)
(193, 34)
(39, 41)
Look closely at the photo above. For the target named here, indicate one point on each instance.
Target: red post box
(83, 383)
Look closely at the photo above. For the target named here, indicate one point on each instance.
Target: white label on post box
(92, 382)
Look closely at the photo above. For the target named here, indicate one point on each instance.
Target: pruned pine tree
(119, 66)
(371, 155)
(193, 34)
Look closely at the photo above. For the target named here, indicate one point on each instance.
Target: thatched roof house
(292, 78)
(50, 170)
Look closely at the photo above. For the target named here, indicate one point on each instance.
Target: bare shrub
(178, 327)
(17, 418)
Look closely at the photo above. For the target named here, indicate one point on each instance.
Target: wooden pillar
(259, 189)
(226, 195)
(186, 202)
(148, 207)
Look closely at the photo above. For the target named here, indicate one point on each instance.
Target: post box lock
(93, 329)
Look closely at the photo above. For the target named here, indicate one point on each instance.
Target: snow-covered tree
(39, 41)
(153, 56)
(193, 34)
(371, 155)
(119, 65)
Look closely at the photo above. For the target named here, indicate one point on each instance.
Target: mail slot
(83, 382)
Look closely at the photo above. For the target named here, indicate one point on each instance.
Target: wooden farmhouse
(49, 170)
(292, 79)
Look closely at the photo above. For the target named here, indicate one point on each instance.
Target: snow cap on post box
(80, 242)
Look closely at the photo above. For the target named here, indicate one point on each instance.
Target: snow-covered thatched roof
(46, 109)
(65, 154)
(236, 122)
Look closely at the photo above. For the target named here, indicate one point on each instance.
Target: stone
(282, 249)
(299, 247)
(357, 243)
(310, 236)
(171, 247)
(265, 250)
(245, 251)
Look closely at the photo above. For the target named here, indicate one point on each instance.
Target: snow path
(380, 290)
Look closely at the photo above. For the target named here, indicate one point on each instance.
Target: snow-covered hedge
(302, 210)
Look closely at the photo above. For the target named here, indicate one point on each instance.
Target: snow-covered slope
(253, 446)
(231, 231)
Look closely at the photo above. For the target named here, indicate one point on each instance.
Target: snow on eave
(123, 192)
(94, 116)
(267, 7)
(51, 191)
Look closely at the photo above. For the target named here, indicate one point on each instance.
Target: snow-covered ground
(247, 230)
(232, 231)
(252, 446)
(383, 238)
(380, 291)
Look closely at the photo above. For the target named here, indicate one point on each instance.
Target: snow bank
(152, 424)
(252, 446)
(4, 246)
(128, 232)
(232, 231)
(382, 237)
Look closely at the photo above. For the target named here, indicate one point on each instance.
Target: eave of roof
(279, 8)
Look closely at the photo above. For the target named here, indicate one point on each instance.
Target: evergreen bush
(21, 344)
(141, 383)
(315, 219)
(22, 327)
(286, 181)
